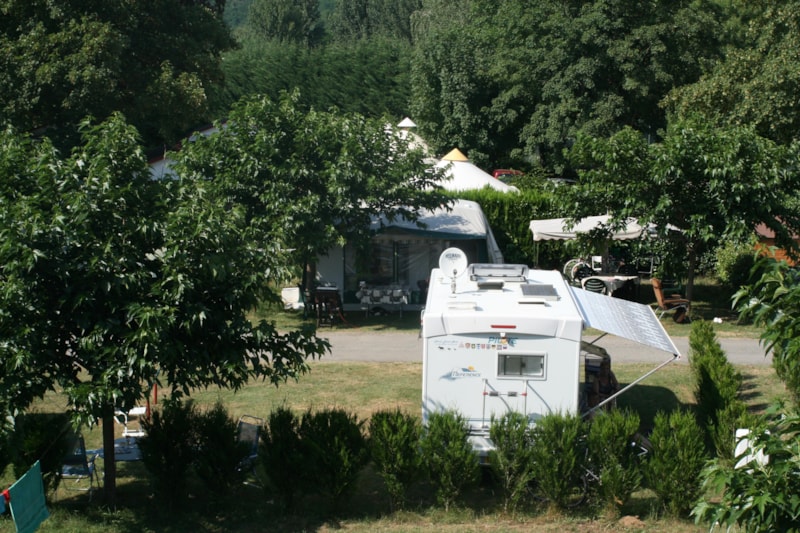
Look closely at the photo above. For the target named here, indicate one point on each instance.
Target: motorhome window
(515, 365)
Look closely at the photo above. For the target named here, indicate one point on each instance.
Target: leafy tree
(153, 61)
(286, 21)
(711, 184)
(312, 179)
(773, 301)
(357, 19)
(113, 281)
(489, 75)
(758, 81)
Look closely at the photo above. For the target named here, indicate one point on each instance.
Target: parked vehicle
(502, 337)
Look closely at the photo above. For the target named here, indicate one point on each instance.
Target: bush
(717, 385)
(168, 449)
(336, 451)
(559, 458)
(613, 457)
(674, 467)
(512, 459)
(218, 453)
(394, 448)
(734, 263)
(282, 468)
(447, 453)
(45, 437)
(757, 497)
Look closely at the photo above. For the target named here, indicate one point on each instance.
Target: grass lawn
(363, 388)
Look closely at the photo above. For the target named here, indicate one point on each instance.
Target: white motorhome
(501, 337)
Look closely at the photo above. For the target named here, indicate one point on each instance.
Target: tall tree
(709, 183)
(153, 61)
(315, 179)
(286, 21)
(534, 73)
(758, 82)
(113, 281)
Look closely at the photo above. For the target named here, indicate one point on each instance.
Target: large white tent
(402, 254)
(462, 175)
(558, 229)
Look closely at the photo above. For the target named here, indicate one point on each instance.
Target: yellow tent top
(455, 155)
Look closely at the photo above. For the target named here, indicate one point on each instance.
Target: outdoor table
(125, 449)
(614, 282)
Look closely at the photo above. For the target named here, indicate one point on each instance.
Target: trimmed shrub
(168, 449)
(452, 464)
(678, 456)
(717, 385)
(512, 459)
(614, 458)
(218, 453)
(559, 459)
(282, 468)
(336, 451)
(394, 448)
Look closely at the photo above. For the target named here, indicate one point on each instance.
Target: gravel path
(355, 345)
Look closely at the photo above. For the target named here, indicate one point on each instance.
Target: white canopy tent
(556, 228)
(463, 175)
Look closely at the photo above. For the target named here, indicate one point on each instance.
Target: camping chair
(248, 431)
(122, 418)
(580, 273)
(675, 304)
(78, 466)
(594, 285)
(398, 297)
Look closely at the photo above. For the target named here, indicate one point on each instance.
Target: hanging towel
(27, 500)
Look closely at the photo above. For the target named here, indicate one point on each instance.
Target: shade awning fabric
(623, 318)
(556, 228)
(463, 175)
(465, 220)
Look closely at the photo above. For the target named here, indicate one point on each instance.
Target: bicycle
(586, 479)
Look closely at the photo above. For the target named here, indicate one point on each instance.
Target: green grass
(363, 388)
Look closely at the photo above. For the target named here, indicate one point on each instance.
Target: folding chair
(124, 419)
(594, 285)
(77, 466)
(248, 431)
(675, 304)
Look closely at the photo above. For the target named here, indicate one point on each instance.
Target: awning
(623, 318)
(555, 228)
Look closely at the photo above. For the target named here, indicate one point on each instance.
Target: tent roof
(554, 228)
(406, 123)
(465, 220)
(462, 175)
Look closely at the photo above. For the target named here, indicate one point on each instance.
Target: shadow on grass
(647, 400)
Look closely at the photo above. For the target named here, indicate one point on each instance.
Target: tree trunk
(690, 274)
(109, 458)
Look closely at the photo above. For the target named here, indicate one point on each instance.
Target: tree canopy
(113, 281)
(708, 184)
(314, 178)
(153, 61)
(531, 75)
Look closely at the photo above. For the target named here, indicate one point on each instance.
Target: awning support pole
(639, 379)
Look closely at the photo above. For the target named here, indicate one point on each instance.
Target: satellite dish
(453, 263)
